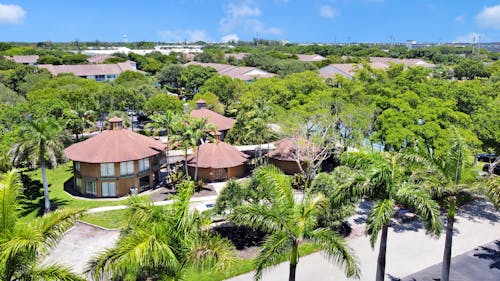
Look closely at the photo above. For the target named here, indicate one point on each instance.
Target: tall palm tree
(454, 179)
(40, 140)
(77, 121)
(162, 243)
(289, 222)
(22, 245)
(182, 136)
(200, 131)
(163, 122)
(387, 180)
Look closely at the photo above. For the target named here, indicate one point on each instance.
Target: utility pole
(479, 45)
(473, 44)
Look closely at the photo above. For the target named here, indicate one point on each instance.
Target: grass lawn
(241, 266)
(110, 219)
(57, 177)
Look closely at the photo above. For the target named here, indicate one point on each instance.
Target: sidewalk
(409, 250)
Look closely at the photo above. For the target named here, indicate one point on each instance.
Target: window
(100, 78)
(144, 165)
(108, 189)
(77, 166)
(78, 184)
(127, 168)
(107, 169)
(110, 76)
(90, 188)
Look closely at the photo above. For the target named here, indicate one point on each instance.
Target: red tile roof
(218, 155)
(114, 146)
(24, 59)
(221, 122)
(286, 149)
(89, 69)
(245, 73)
(310, 58)
(98, 58)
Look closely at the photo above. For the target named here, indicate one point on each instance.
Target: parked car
(486, 157)
(496, 170)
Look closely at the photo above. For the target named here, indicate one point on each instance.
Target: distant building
(310, 58)
(116, 162)
(26, 60)
(245, 73)
(98, 72)
(99, 59)
(218, 161)
(238, 56)
(222, 123)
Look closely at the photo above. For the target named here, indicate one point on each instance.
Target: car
(496, 170)
(486, 157)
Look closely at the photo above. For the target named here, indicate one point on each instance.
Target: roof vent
(201, 104)
(116, 123)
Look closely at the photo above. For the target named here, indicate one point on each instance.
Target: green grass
(60, 198)
(241, 266)
(109, 219)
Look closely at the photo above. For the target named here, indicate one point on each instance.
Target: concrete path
(409, 250)
(482, 263)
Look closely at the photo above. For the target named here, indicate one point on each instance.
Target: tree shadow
(479, 209)
(33, 199)
(490, 253)
(241, 236)
(362, 212)
(413, 225)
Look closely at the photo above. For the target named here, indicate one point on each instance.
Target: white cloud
(245, 16)
(326, 11)
(460, 18)
(11, 14)
(179, 35)
(489, 17)
(230, 38)
(470, 38)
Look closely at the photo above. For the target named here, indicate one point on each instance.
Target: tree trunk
(294, 257)
(166, 155)
(186, 160)
(196, 168)
(445, 271)
(381, 255)
(45, 183)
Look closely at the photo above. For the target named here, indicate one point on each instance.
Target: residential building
(116, 162)
(26, 60)
(98, 58)
(222, 123)
(245, 73)
(310, 58)
(98, 72)
(218, 161)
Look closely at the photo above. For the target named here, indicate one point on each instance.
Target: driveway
(409, 250)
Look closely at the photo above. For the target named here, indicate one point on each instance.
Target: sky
(301, 21)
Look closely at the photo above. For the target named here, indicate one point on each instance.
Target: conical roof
(114, 146)
(218, 155)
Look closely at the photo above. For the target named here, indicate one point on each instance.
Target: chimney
(116, 123)
(201, 104)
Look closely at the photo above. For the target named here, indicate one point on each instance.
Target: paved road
(482, 263)
(409, 250)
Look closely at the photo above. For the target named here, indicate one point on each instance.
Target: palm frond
(275, 248)
(51, 273)
(380, 215)
(336, 250)
(261, 217)
(10, 191)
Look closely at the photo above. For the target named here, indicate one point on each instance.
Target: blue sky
(215, 20)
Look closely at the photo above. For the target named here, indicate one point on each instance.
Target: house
(310, 58)
(98, 72)
(406, 62)
(217, 161)
(284, 156)
(116, 162)
(99, 59)
(245, 73)
(345, 69)
(26, 60)
(222, 123)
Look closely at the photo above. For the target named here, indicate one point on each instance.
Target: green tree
(228, 90)
(23, 245)
(162, 243)
(289, 222)
(211, 99)
(194, 76)
(129, 76)
(471, 69)
(201, 130)
(386, 179)
(170, 75)
(162, 103)
(77, 121)
(50, 59)
(40, 140)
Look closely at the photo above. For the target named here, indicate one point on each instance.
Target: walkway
(409, 250)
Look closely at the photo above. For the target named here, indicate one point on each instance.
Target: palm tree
(40, 140)
(182, 136)
(200, 131)
(163, 122)
(453, 181)
(162, 243)
(387, 180)
(290, 222)
(77, 121)
(22, 245)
